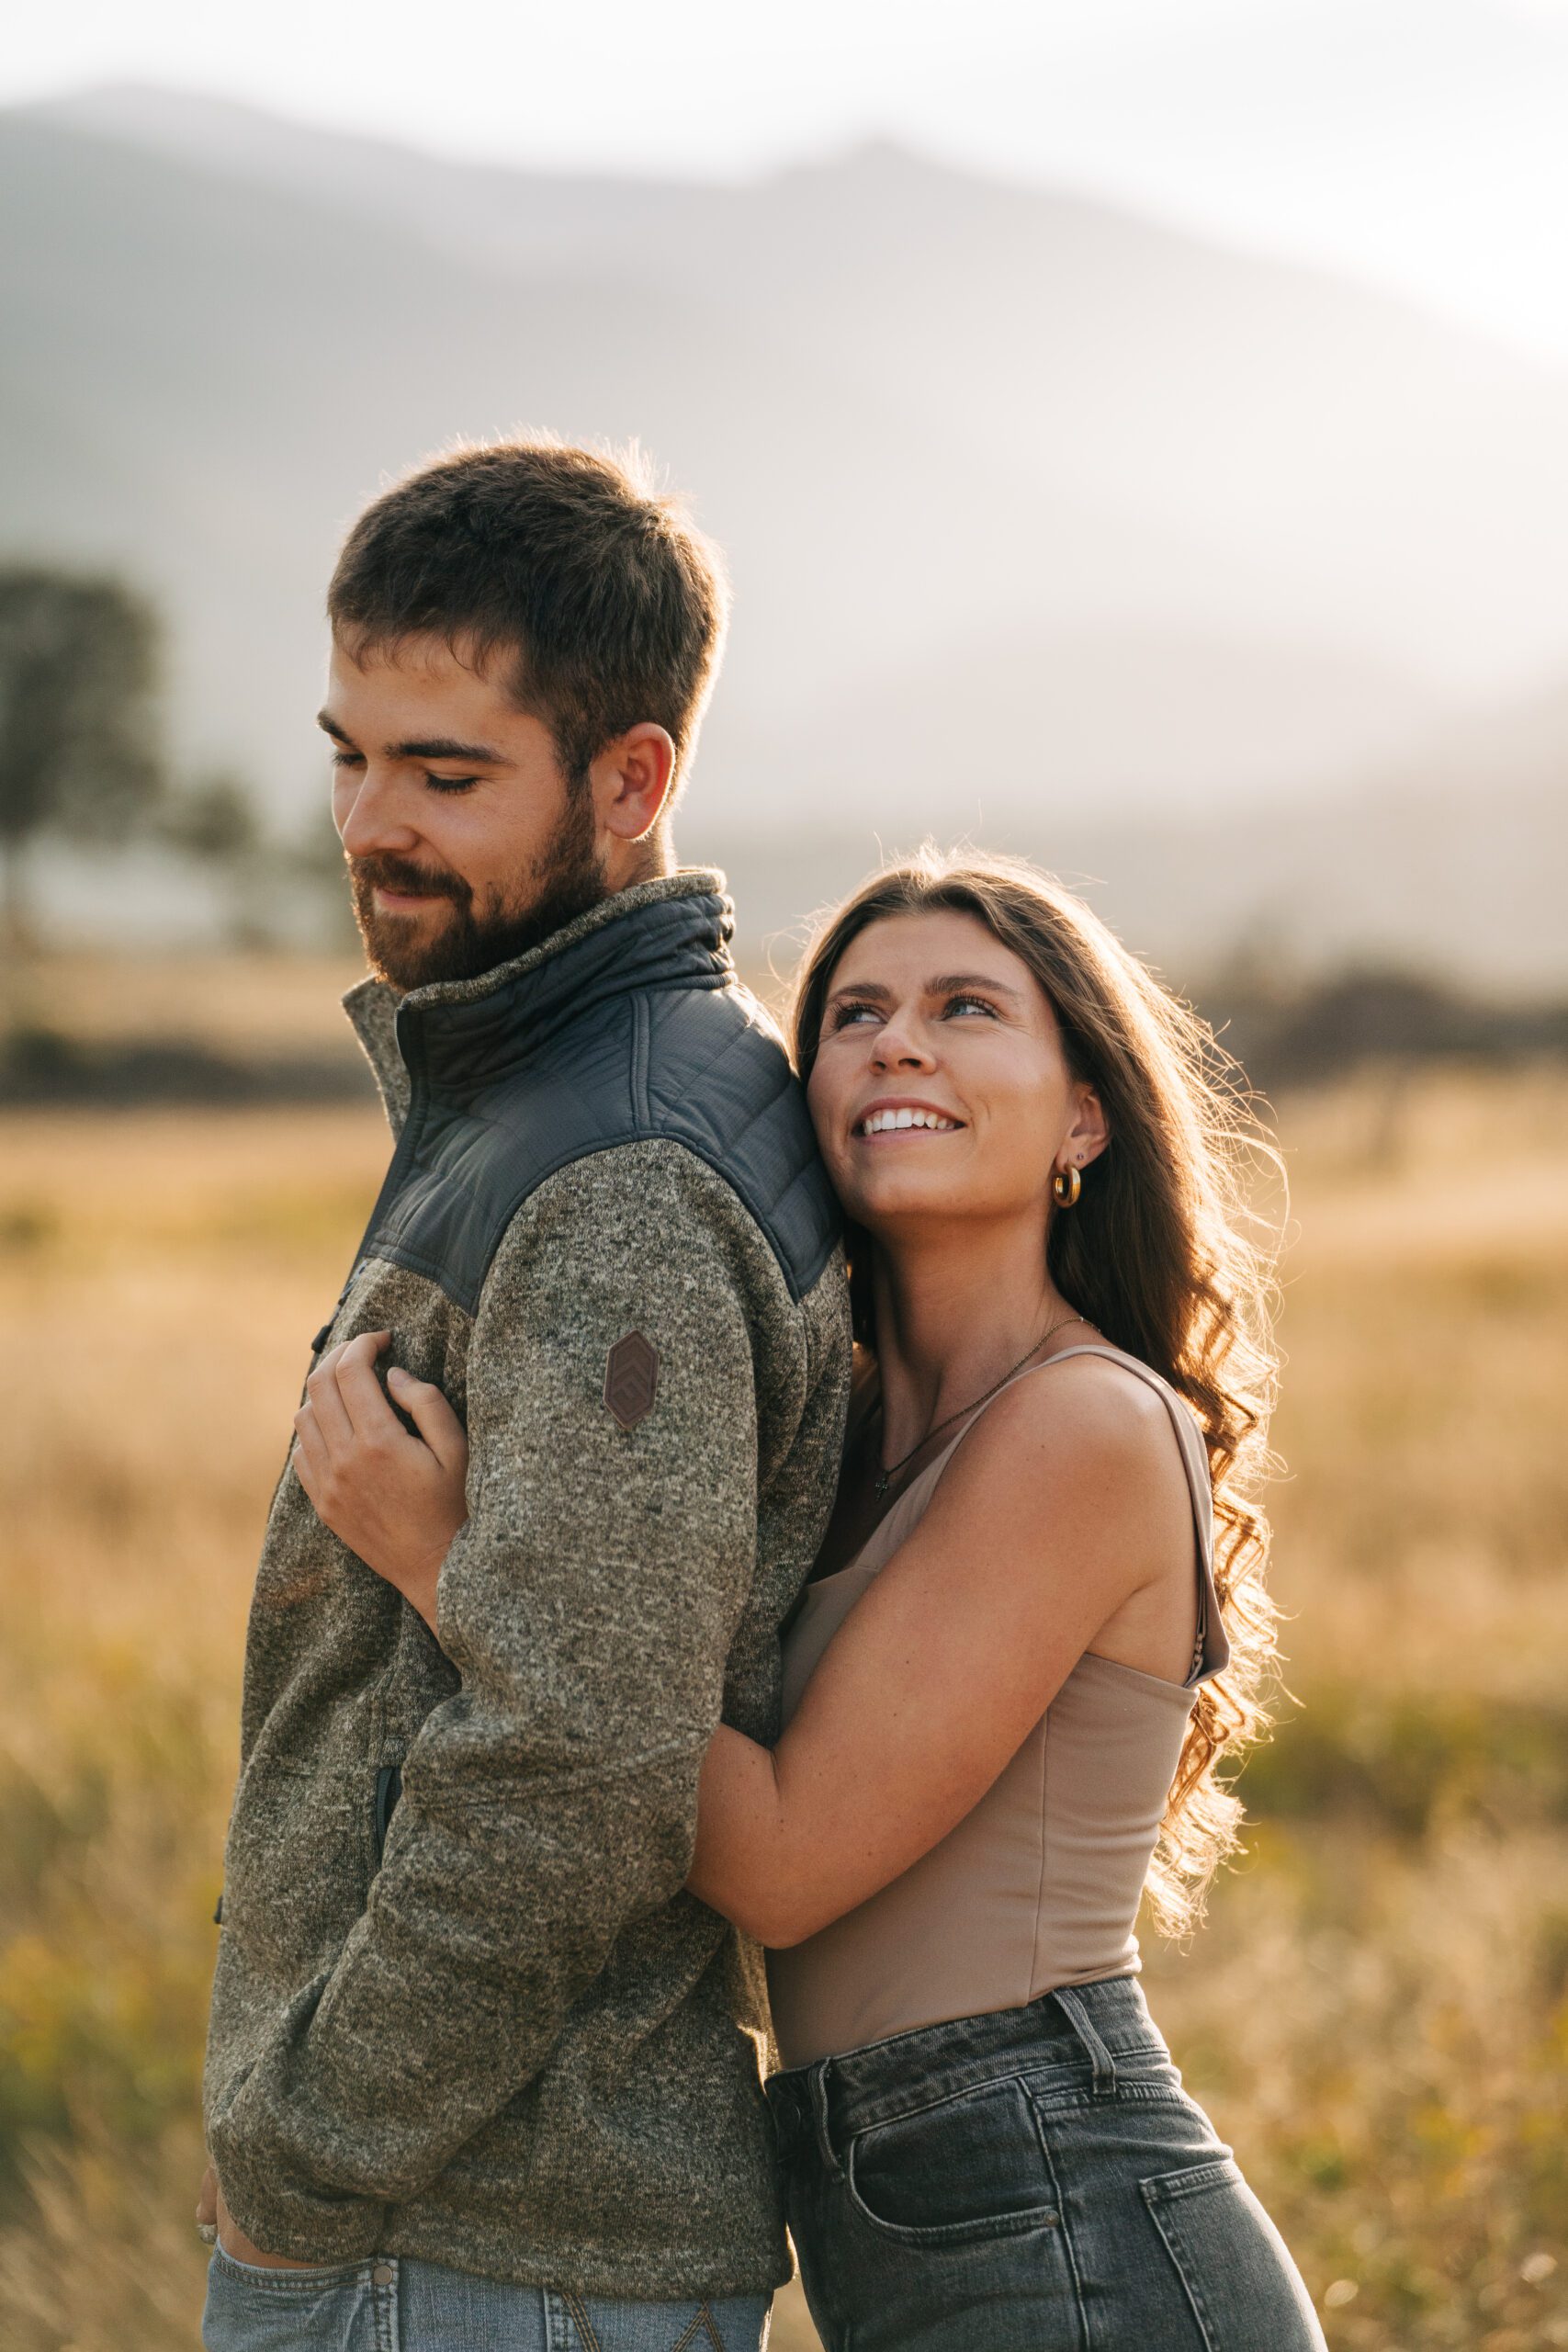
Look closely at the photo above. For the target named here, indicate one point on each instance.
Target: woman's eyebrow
(862, 988)
(950, 983)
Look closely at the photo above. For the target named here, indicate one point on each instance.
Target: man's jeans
(403, 2306)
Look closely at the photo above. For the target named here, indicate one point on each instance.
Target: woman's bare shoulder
(1069, 1426)
(1088, 1394)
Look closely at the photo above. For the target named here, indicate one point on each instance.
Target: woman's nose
(898, 1048)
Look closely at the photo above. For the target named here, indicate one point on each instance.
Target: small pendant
(883, 1483)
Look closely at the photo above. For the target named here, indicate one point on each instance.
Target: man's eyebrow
(436, 747)
(446, 747)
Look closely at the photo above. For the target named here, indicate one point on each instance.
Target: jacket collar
(463, 1036)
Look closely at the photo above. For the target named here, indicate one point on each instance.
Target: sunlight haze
(1422, 144)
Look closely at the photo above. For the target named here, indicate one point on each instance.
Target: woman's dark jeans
(1036, 2180)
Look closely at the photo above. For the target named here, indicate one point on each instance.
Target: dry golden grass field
(1377, 2013)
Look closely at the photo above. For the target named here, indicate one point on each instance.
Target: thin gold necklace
(884, 1477)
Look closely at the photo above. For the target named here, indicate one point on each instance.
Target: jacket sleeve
(589, 1605)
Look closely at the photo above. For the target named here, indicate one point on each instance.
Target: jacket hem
(647, 2274)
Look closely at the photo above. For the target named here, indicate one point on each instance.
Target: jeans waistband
(1088, 2028)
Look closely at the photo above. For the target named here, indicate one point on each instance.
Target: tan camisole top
(1039, 1884)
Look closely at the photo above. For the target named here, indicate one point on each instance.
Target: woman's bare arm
(1066, 1500)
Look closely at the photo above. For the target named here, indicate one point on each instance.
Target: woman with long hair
(1038, 1621)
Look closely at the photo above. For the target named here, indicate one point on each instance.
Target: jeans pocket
(252, 2307)
(1233, 2265)
(968, 2166)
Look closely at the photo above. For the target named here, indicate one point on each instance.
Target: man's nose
(374, 819)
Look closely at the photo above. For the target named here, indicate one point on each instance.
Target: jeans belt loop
(1074, 2009)
(817, 2091)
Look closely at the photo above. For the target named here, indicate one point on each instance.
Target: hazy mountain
(203, 380)
(1037, 512)
(1394, 480)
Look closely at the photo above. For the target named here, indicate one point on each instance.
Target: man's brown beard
(565, 880)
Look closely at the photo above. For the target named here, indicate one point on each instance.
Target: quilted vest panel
(638, 1032)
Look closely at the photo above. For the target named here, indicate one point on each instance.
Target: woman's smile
(900, 1115)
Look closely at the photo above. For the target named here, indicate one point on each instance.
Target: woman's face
(941, 1088)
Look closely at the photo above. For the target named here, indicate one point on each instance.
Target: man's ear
(631, 781)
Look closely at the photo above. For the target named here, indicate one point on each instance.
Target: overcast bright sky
(1421, 144)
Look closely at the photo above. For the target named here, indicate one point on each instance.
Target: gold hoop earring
(1065, 1186)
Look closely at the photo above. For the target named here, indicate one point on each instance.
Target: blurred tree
(213, 824)
(79, 736)
(213, 821)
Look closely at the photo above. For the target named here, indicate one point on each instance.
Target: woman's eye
(972, 1003)
(848, 1013)
(451, 783)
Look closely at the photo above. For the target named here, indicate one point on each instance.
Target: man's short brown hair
(610, 603)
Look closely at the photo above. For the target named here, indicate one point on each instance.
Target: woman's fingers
(325, 1400)
(325, 1390)
(309, 1453)
(432, 1416)
(363, 1349)
(363, 1396)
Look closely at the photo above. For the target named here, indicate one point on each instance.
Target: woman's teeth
(881, 1123)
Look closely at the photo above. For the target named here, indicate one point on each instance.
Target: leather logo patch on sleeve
(631, 1379)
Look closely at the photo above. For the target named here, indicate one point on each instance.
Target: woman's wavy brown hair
(1163, 1251)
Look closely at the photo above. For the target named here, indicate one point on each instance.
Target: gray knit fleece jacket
(487, 2027)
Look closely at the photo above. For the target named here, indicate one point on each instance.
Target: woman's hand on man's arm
(394, 1499)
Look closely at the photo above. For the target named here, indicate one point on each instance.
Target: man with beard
(479, 2071)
